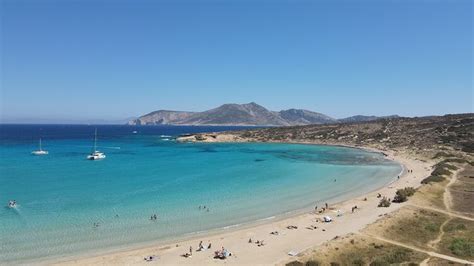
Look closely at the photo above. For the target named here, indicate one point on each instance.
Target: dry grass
(438, 261)
(458, 240)
(360, 250)
(462, 192)
(410, 225)
(431, 195)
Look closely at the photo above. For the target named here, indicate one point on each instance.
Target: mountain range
(250, 114)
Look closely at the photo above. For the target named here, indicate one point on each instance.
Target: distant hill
(161, 117)
(364, 118)
(250, 114)
(305, 117)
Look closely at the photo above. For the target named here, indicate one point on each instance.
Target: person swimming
(12, 204)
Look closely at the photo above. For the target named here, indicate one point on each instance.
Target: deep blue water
(61, 195)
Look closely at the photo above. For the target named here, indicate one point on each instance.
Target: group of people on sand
(258, 242)
(151, 258)
(201, 247)
(222, 254)
(204, 208)
(323, 209)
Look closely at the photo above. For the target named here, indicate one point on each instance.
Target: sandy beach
(310, 232)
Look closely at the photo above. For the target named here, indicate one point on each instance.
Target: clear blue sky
(115, 59)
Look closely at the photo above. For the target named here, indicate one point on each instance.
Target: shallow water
(62, 195)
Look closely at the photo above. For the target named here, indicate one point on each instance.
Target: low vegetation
(458, 239)
(442, 154)
(410, 225)
(384, 202)
(441, 170)
(402, 194)
(433, 178)
(308, 263)
(360, 250)
(451, 133)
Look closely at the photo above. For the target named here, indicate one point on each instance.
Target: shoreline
(235, 237)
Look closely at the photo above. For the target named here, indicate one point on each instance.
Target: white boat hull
(39, 152)
(96, 156)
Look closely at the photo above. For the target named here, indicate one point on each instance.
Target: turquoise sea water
(62, 195)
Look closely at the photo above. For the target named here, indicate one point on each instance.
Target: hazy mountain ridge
(364, 118)
(250, 114)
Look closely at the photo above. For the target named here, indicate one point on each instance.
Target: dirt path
(435, 242)
(451, 214)
(447, 197)
(431, 253)
(425, 262)
(447, 201)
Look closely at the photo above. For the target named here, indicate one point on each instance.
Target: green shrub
(397, 256)
(460, 227)
(312, 263)
(449, 166)
(384, 202)
(462, 247)
(456, 160)
(441, 171)
(379, 262)
(402, 194)
(455, 227)
(431, 227)
(358, 262)
(442, 154)
(432, 178)
(294, 263)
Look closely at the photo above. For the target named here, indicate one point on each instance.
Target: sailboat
(40, 151)
(95, 155)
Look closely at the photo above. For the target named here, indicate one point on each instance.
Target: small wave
(116, 148)
(267, 218)
(231, 226)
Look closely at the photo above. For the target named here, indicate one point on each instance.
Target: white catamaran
(95, 155)
(40, 151)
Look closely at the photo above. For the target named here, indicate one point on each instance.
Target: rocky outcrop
(161, 117)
